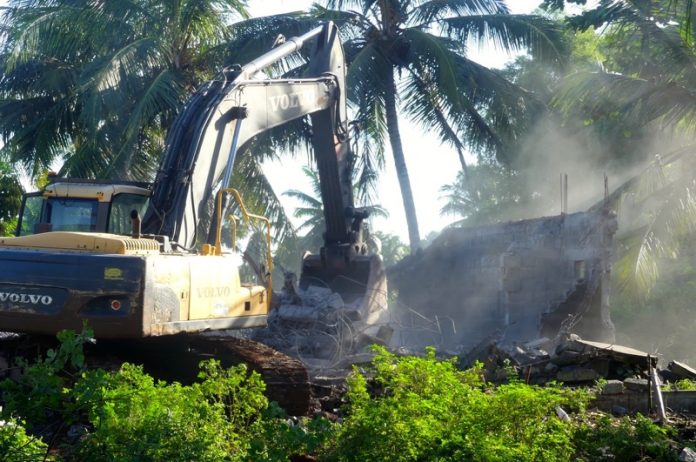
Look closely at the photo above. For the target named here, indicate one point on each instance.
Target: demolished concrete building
(517, 281)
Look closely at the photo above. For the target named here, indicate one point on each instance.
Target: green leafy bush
(130, 416)
(624, 440)
(17, 446)
(136, 418)
(682, 385)
(279, 438)
(38, 396)
(398, 409)
(425, 409)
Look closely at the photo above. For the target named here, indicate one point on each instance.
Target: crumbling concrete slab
(682, 370)
(525, 279)
(633, 402)
(576, 374)
(613, 387)
(636, 384)
(620, 353)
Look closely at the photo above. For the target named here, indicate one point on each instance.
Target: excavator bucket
(361, 283)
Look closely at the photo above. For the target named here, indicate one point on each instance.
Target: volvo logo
(27, 299)
(210, 292)
(293, 100)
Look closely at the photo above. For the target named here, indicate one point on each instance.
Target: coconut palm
(409, 58)
(311, 212)
(10, 199)
(652, 82)
(97, 83)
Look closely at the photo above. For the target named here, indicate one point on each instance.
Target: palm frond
(164, 94)
(425, 12)
(259, 195)
(543, 38)
(646, 101)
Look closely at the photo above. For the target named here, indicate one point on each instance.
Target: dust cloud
(651, 188)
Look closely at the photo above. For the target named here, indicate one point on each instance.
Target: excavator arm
(224, 115)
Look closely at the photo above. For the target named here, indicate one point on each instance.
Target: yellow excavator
(143, 263)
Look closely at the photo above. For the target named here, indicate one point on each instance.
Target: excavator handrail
(247, 217)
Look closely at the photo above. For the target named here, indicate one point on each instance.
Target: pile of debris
(570, 360)
(629, 378)
(327, 334)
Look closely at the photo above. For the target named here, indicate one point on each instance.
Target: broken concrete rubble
(628, 379)
(572, 360)
(687, 455)
(318, 327)
(613, 387)
(681, 370)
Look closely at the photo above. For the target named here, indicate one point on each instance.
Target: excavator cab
(83, 206)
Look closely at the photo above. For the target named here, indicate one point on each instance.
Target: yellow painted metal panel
(85, 242)
(216, 291)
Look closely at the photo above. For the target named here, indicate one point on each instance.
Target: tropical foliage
(392, 248)
(410, 58)
(311, 212)
(644, 87)
(648, 78)
(96, 84)
(490, 193)
(10, 199)
(397, 409)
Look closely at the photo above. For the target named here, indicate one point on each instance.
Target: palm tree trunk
(400, 164)
(462, 161)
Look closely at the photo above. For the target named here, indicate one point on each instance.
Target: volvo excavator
(143, 264)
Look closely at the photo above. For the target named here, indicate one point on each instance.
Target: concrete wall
(517, 281)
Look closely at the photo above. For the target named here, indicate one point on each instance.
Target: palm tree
(653, 83)
(490, 193)
(650, 84)
(393, 250)
(311, 212)
(409, 58)
(98, 82)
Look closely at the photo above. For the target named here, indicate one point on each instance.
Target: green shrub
(130, 416)
(136, 418)
(624, 440)
(683, 385)
(400, 409)
(425, 409)
(38, 397)
(279, 439)
(17, 446)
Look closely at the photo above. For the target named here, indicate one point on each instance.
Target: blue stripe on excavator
(42, 292)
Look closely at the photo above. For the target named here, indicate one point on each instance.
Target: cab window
(30, 214)
(120, 213)
(72, 214)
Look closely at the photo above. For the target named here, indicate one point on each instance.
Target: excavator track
(176, 358)
(287, 381)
